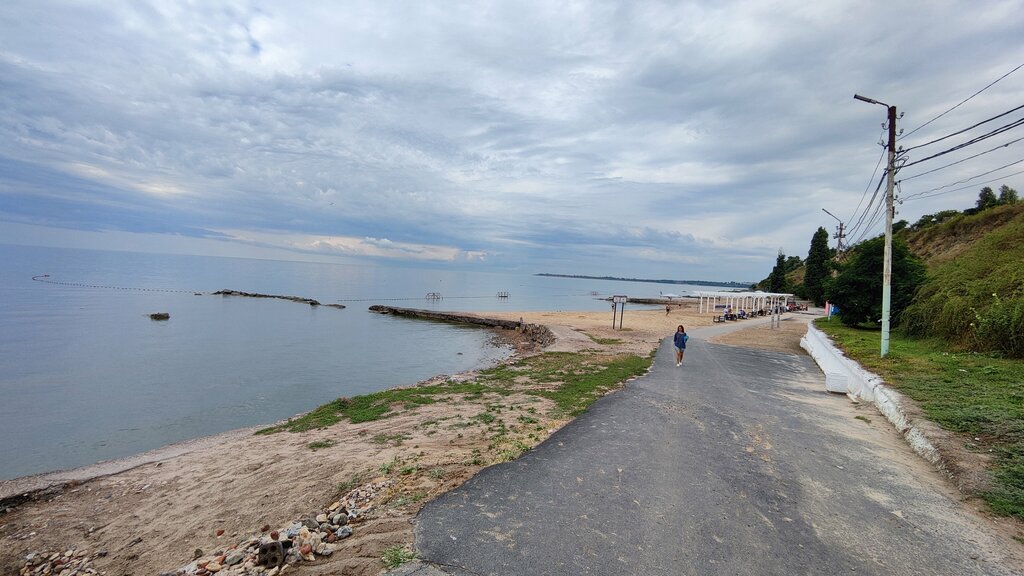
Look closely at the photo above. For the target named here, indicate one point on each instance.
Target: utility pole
(889, 185)
(839, 235)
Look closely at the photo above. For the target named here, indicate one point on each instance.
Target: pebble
(301, 540)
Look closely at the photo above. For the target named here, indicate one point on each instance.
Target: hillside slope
(974, 295)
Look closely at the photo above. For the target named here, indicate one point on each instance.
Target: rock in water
(160, 316)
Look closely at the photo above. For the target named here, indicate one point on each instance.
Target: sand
(151, 513)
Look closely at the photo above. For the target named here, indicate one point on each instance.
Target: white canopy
(747, 300)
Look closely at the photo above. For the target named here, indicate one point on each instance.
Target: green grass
(356, 480)
(396, 555)
(320, 444)
(370, 407)
(604, 341)
(980, 395)
(580, 380)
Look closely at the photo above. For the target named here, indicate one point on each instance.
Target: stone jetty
(298, 299)
(536, 333)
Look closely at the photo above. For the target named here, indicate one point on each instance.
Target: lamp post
(889, 183)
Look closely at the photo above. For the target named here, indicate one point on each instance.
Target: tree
(792, 263)
(1007, 195)
(818, 258)
(986, 199)
(857, 290)
(777, 279)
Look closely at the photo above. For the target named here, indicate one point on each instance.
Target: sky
(682, 140)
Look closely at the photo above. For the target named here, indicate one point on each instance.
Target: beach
(209, 495)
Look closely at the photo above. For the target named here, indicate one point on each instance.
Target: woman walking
(679, 340)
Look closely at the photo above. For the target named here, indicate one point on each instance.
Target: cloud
(677, 139)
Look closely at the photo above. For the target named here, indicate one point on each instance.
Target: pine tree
(777, 279)
(817, 267)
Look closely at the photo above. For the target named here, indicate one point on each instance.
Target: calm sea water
(86, 376)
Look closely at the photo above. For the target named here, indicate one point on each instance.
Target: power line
(965, 129)
(964, 100)
(870, 180)
(929, 193)
(971, 142)
(964, 160)
(855, 227)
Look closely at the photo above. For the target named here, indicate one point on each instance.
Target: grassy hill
(974, 295)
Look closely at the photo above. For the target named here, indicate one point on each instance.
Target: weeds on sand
(320, 444)
(396, 555)
(571, 380)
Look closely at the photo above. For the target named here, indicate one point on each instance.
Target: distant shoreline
(653, 281)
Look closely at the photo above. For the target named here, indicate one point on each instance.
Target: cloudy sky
(688, 140)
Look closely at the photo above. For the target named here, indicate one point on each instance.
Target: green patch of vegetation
(396, 555)
(975, 300)
(579, 380)
(484, 417)
(388, 467)
(436, 473)
(572, 380)
(604, 341)
(512, 450)
(863, 418)
(356, 480)
(477, 459)
(407, 499)
(981, 395)
(369, 407)
(407, 470)
(320, 444)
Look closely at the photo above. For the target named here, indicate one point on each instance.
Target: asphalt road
(736, 463)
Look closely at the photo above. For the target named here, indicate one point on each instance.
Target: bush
(1001, 327)
(857, 290)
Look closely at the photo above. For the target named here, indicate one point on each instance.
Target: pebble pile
(270, 553)
(71, 562)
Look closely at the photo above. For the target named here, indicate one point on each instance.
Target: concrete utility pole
(839, 235)
(889, 184)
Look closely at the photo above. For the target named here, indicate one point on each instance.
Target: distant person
(667, 308)
(679, 340)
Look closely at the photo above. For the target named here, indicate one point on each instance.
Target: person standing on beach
(679, 340)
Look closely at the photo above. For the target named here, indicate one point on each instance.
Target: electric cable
(958, 132)
(993, 83)
(928, 193)
(963, 160)
(870, 180)
(971, 142)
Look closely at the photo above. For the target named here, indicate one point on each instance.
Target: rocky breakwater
(535, 335)
(298, 299)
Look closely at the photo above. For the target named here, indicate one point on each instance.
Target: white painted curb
(844, 375)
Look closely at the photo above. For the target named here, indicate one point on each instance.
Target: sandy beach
(157, 512)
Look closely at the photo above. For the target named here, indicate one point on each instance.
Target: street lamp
(889, 183)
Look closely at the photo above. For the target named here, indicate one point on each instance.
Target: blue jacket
(680, 339)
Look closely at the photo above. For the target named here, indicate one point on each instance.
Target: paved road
(736, 463)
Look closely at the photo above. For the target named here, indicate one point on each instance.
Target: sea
(86, 375)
